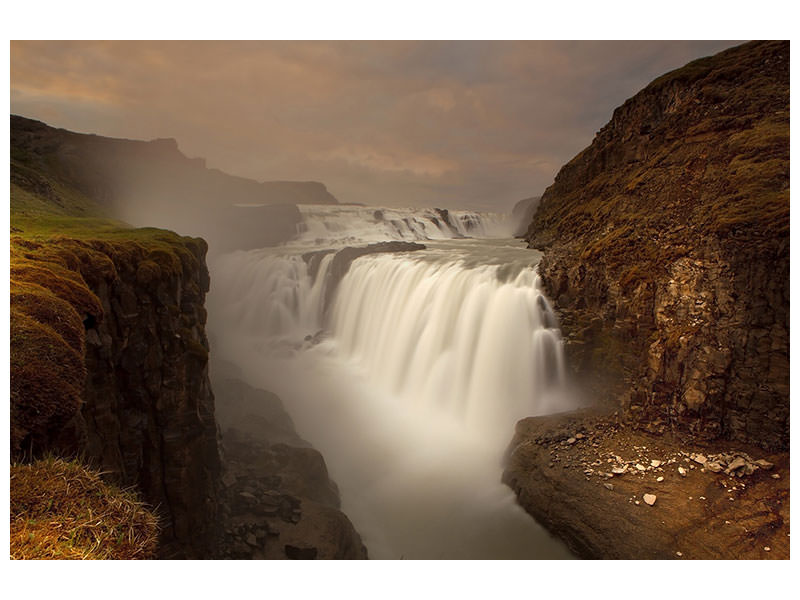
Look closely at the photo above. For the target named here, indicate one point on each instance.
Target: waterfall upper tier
(349, 225)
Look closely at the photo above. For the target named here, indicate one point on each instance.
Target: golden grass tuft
(62, 510)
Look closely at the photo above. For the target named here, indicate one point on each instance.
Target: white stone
(700, 459)
(649, 498)
(659, 479)
(682, 471)
(655, 463)
(640, 467)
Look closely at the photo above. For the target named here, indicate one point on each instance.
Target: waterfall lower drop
(425, 362)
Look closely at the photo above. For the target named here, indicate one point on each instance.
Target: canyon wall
(666, 251)
(136, 403)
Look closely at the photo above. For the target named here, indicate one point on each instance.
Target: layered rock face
(145, 413)
(667, 251)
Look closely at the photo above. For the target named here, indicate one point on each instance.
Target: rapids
(410, 379)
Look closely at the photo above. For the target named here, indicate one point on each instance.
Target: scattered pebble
(649, 498)
(682, 471)
(659, 479)
(775, 476)
(655, 463)
(767, 548)
(608, 486)
(641, 467)
(571, 440)
(579, 436)
(679, 554)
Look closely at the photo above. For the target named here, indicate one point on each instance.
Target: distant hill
(55, 171)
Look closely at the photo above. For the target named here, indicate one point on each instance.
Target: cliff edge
(666, 255)
(667, 250)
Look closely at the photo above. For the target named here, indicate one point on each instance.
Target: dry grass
(61, 510)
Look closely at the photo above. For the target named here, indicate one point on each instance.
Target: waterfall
(479, 341)
(454, 338)
(407, 371)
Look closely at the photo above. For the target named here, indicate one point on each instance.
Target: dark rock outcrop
(666, 251)
(277, 501)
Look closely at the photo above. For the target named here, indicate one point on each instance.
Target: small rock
(619, 470)
(682, 471)
(608, 486)
(659, 479)
(679, 554)
(775, 476)
(699, 459)
(636, 502)
(655, 463)
(736, 463)
(571, 440)
(649, 499)
(764, 464)
(251, 540)
(579, 436)
(767, 548)
(714, 466)
(640, 467)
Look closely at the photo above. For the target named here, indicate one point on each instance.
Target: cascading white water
(453, 338)
(411, 393)
(340, 225)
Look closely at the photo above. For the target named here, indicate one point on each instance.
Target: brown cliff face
(142, 411)
(667, 250)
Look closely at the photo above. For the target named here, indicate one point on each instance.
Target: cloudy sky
(456, 124)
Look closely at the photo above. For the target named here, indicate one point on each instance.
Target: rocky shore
(611, 491)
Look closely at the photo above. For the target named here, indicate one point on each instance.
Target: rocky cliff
(109, 361)
(666, 251)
